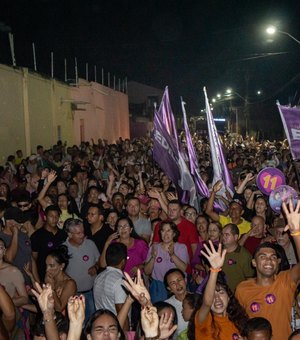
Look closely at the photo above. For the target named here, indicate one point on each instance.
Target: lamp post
(272, 30)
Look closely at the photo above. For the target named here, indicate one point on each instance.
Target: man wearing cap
(32, 164)
(235, 212)
(16, 234)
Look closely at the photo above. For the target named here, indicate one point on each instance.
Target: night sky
(183, 44)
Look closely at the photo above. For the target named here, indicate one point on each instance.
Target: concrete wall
(103, 112)
(40, 110)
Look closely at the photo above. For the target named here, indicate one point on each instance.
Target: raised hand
(172, 196)
(138, 289)
(249, 177)
(292, 216)
(112, 237)
(215, 257)
(149, 321)
(45, 298)
(52, 176)
(164, 326)
(217, 186)
(76, 309)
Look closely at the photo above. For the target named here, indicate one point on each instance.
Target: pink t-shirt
(136, 255)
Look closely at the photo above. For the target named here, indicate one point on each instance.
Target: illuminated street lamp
(272, 30)
(218, 95)
(228, 91)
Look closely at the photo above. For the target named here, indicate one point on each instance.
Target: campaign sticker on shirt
(269, 179)
(27, 243)
(231, 262)
(85, 258)
(270, 299)
(254, 307)
(283, 193)
(50, 244)
(159, 259)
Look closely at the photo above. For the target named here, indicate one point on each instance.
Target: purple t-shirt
(163, 261)
(136, 255)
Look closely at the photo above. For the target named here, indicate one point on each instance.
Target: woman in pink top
(137, 248)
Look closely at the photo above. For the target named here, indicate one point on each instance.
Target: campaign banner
(290, 117)
(166, 152)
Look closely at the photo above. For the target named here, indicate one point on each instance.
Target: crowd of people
(95, 243)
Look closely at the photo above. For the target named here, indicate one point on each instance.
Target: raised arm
(216, 260)
(76, 313)
(46, 302)
(41, 197)
(293, 225)
(210, 203)
(249, 177)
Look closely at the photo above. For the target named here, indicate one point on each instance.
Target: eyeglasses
(124, 226)
(2, 247)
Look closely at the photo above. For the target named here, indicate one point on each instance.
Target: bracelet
(215, 270)
(297, 233)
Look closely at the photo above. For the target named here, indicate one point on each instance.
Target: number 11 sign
(269, 179)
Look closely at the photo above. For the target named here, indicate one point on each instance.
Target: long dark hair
(236, 313)
(95, 316)
(195, 301)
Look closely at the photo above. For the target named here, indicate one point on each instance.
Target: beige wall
(104, 114)
(35, 110)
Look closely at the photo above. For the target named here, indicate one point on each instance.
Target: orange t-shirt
(205, 330)
(272, 302)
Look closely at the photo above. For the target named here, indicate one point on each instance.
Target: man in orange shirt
(270, 295)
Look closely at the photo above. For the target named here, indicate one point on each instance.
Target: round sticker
(282, 194)
(50, 244)
(269, 179)
(254, 307)
(159, 260)
(85, 258)
(231, 262)
(270, 299)
(27, 243)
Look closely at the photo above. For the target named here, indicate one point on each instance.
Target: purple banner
(290, 117)
(201, 187)
(167, 154)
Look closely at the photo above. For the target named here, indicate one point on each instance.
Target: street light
(272, 30)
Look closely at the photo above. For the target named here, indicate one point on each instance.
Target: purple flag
(290, 117)
(168, 156)
(218, 160)
(194, 166)
(167, 117)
